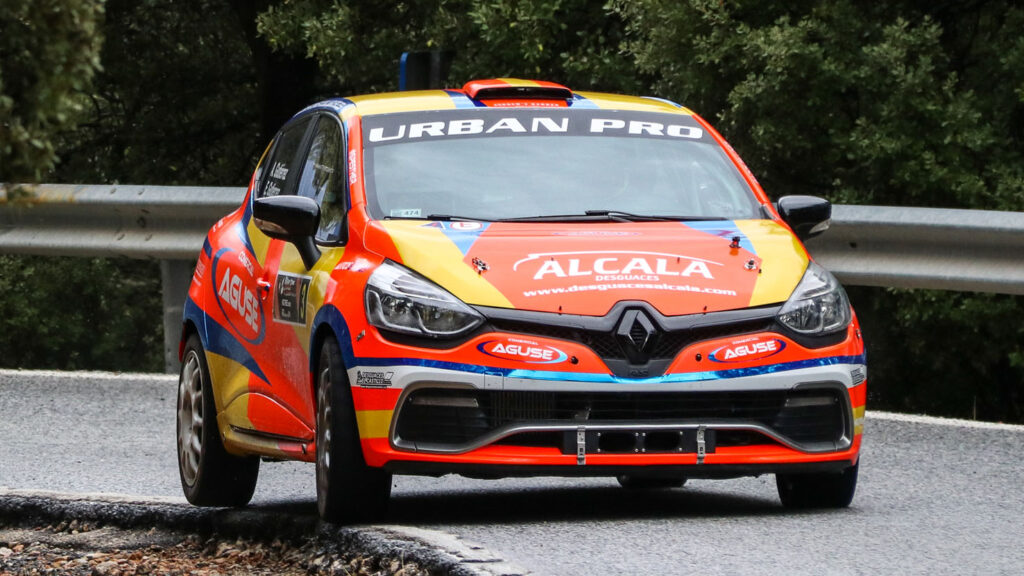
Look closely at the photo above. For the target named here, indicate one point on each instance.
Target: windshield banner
(384, 129)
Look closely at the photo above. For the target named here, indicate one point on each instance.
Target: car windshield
(501, 164)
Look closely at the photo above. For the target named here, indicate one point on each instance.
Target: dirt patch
(81, 549)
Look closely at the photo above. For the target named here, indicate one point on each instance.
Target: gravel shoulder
(42, 534)
(82, 549)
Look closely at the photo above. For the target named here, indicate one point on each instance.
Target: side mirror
(294, 219)
(808, 216)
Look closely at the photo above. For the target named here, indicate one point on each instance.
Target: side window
(324, 178)
(280, 174)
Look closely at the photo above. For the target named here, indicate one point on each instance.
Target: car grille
(666, 347)
(454, 418)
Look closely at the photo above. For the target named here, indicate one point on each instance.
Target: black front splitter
(709, 471)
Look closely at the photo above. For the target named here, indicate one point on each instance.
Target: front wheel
(209, 475)
(819, 490)
(347, 490)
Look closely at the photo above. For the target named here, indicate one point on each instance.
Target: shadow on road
(556, 503)
(572, 504)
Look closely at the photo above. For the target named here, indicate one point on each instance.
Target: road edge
(436, 551)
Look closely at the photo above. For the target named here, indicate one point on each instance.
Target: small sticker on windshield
(406, 213)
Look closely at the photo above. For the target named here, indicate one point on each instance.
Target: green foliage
(49, 51)
(946, 353)
(357, 44)
(900, 103)
(175, 102)
(857, 103)
(906, 102)
(80, 314)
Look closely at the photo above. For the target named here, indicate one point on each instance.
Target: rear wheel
(640, 482)
(820, 490)
(347, 490)
(209, 475)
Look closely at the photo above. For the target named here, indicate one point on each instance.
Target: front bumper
(434, 420)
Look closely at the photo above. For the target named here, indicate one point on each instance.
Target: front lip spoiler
(497, 434)
(704, 471)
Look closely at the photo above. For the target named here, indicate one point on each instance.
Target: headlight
(818, 305)
(400, 300)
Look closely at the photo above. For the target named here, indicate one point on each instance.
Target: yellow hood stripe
(783, 260)
(422, 247)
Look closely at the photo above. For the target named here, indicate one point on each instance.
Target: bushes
(80, 314)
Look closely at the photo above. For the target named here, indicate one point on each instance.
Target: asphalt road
(935, 497)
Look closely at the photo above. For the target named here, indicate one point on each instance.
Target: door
(293, 292)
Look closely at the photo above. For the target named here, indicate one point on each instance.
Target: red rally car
(514, 279)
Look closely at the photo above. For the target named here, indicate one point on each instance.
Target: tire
(209, 475)
(347, 490)
(640, 482)
(822, 490)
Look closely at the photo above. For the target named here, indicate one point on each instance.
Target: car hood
(679, 268)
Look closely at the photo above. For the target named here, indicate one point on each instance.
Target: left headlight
(819, 304)
(400, 300)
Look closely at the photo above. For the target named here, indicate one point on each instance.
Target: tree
(907, 102)
(357, 45)
(897, 103)
(175, 103)
(878, 103)
(49, 51)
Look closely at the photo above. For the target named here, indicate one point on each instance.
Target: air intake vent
(515, 89)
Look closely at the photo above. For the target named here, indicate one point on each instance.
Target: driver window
(279, 175)
(323, 179)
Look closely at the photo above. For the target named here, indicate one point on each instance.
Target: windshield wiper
(438, 218)
(451, 218)
(608, 215)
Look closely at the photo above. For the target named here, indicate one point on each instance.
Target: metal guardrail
(152, 222)
(165, 223)
(969, 250)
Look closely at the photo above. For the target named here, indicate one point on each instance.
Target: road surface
(935, 497)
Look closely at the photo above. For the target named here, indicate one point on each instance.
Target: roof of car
(494, 93)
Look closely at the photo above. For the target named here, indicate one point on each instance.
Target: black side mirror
(808, 216)
(294, 219)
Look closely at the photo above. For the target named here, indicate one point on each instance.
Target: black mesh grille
(802, 416)
(666, 346)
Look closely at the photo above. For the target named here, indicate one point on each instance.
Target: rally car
(513, 279)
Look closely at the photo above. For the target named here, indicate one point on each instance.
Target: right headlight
(400, 300)
(819, 304)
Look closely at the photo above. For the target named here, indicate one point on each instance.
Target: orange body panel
(262, 315)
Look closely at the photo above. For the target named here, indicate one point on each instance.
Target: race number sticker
(406, 213)
(290, 295)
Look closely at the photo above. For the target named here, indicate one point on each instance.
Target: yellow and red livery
(514, 278)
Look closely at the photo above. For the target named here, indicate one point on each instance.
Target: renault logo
(637, 336)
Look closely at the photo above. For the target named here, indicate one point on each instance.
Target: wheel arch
(188, 328)
(328, 323)
(192, 322)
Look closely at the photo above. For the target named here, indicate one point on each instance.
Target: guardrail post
(175, 277)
